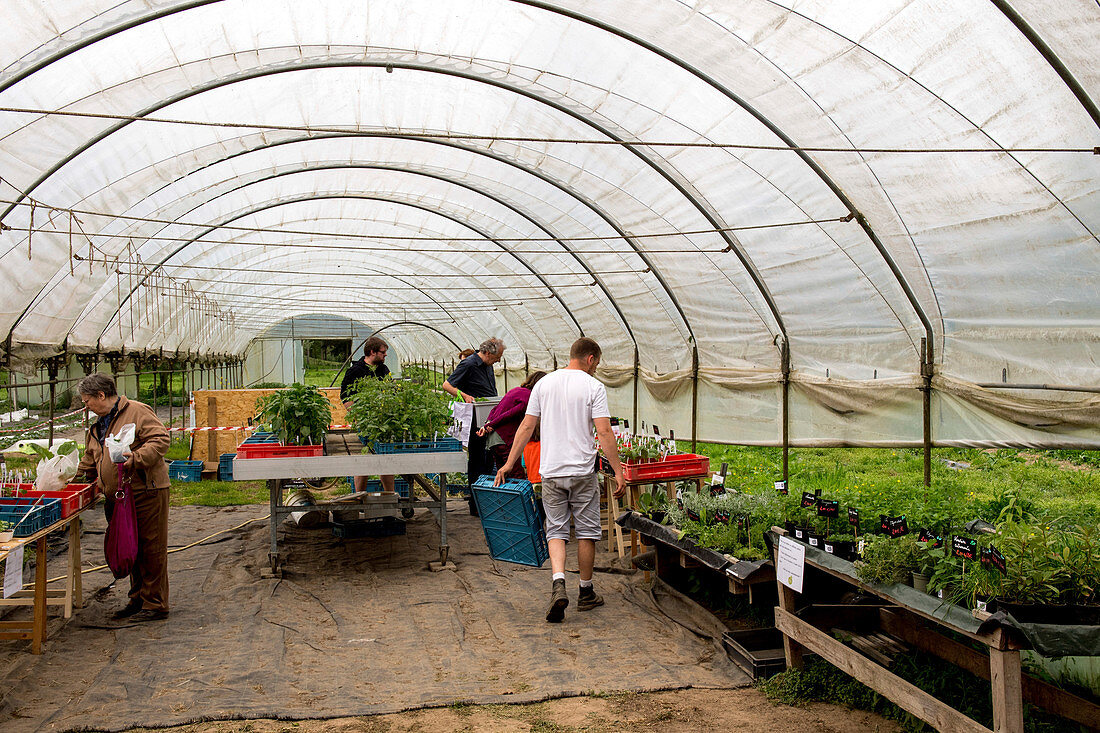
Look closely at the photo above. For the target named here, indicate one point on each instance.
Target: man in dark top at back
(472, 378)
(373, 364)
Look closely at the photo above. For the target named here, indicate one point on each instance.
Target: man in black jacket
(472, 378)
(372, 365)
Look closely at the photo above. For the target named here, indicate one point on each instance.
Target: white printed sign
(462, 418)
(790, 563)
(780, 486)
(13, 572)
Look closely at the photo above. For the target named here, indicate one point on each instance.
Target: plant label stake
(781, 488)
(808, 499)
(853, 519)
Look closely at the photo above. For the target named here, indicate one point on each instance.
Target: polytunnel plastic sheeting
(986, 251)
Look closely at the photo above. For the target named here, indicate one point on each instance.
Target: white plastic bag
(53, 474)
(118, 445)
(462, 418)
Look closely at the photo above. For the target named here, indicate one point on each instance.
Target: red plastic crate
(276, 450)
(675, 466)
(16, 489)
(71, 501)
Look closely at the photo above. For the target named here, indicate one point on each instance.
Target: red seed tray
(276, 450)
(675, 466)
(15, 489)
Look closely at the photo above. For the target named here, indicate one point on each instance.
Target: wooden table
(907, 618)
(39, 596)
(410, 465)
(634, 490)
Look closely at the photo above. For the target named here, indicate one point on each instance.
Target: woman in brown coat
(148, 475)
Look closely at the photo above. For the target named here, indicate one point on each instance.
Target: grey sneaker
(558, 602)
(588, 599)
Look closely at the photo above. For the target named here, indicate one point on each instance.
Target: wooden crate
(234, 407)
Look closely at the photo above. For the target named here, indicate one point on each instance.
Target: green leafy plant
(299, 414)
(887, 560)
(44, 453)
(653, 504)
(387, 410)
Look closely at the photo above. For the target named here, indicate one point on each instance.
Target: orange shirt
(531, 453)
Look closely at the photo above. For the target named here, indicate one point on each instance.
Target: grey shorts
(572, 497)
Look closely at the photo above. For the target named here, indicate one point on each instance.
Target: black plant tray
(759, 652)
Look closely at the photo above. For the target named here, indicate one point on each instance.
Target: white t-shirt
(566, 401)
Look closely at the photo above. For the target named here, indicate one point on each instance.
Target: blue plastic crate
(30, 513)
(512, 503)
(442, 445)
(512, 521)
(185, 470)
(521, 545)
(225, 466)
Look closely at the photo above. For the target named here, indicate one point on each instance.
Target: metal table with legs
(410, 465)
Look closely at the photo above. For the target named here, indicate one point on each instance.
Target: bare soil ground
(679, 711)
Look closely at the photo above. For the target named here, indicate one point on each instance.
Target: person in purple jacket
(504, 420)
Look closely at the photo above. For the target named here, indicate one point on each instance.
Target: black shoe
(128, 610)
(149, 615)
(558, 603)
(588, 599)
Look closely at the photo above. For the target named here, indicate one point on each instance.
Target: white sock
(559, 576)
(586, 583)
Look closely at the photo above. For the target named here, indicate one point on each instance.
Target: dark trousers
(149, 579)
(500, 457)
(480, 462)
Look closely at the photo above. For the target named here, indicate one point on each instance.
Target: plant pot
(657, 516)
(920, 582)
(800, 533)
(829, 546)
(813, 539)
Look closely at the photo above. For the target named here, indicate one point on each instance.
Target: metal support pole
(637, 374)
(694, 396)
(53, 366)
(785, 381)
(171, 397)
(526, 367)
(136, 361)
(926, 388)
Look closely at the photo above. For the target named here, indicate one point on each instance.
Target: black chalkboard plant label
(898, 526)
(964, 547)
(808, 499)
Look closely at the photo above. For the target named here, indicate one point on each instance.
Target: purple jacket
(508, 414)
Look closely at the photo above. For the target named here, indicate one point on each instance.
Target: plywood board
(236, 407)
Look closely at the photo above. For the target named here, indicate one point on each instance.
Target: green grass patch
(891, 480)
(218, 493)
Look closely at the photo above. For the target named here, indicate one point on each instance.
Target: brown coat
(150, 445)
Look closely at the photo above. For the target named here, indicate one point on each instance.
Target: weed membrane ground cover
(355, 627)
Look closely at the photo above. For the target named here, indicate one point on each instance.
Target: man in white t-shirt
(566, 405)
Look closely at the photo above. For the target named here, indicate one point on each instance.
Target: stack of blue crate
(512, 520)
(225, 466)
